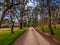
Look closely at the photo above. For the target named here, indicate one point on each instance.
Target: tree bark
(3, 15)
(20, 25)
(21, 20)
(12, 27)
(49, 12)
(49, 24)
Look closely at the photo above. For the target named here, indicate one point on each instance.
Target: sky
(33, 4)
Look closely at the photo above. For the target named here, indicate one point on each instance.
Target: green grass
(55, 30)
(6, 37)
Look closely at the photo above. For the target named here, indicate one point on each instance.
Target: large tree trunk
(21, 22)
(3, 15)
(12, 27)
(49, 13)
(20, 25)
(49, 24)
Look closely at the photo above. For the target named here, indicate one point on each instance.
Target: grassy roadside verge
(6, 37)
(55, 30)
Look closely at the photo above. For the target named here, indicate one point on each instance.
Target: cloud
(30, 4)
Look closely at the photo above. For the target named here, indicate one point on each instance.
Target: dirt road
(32, 37)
